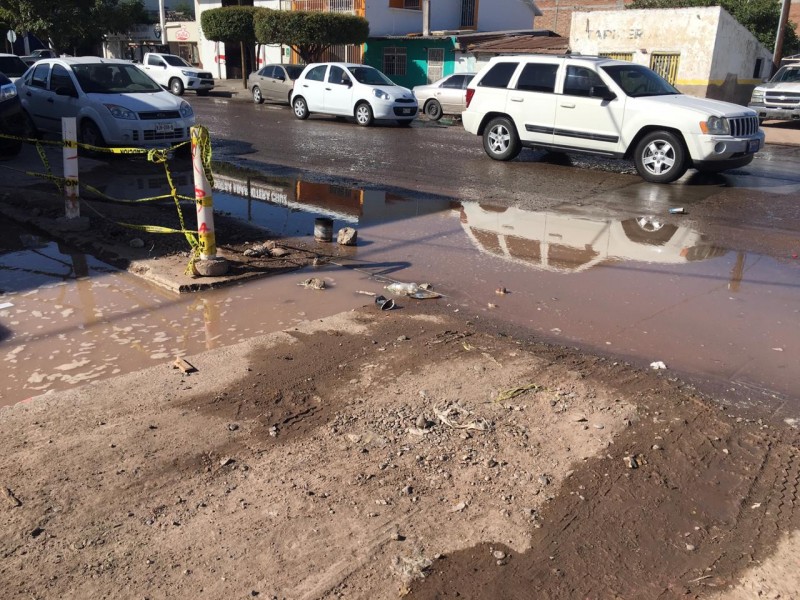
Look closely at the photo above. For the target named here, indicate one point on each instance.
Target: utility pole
(778, 53)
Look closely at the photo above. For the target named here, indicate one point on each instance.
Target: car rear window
(538, 77)
(498, 75)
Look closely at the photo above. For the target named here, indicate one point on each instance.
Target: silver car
(273, 82)
(446, 96)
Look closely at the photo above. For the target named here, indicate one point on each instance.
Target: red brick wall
(558, 13)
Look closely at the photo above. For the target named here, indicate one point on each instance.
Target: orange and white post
(203, 195)
(69, 134)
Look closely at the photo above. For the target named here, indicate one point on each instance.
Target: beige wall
(717, 54)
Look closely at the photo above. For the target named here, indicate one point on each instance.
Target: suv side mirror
(602, 91)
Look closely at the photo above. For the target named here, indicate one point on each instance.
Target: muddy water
(639, 287)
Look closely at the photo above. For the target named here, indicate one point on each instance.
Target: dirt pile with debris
(378, 454)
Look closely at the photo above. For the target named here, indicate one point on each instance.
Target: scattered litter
(778, 349)
(690, 547)
(657, 365)
(677, 211)
(491, 305)
(634, 461)
(501, 291)
(449, 415)
(315, 283)
(363, 293)
(6, 305)
(517, 391)
(422, 291)
(756, 505)
(791, 422)
(384, 303)
(12, 499)
(183, 365)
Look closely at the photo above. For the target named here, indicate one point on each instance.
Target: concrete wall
(717, 54)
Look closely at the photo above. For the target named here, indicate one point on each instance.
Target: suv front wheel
(660, 157)
(500, 139)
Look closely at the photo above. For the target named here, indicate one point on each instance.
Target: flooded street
(711, 292)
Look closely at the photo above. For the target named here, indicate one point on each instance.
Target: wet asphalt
(589, 253)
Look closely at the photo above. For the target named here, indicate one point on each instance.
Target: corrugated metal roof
(523, 44)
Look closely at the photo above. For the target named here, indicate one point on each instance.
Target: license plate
(164, 127)
(408, 111)
(752, 146)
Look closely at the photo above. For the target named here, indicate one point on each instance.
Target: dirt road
(353, 456)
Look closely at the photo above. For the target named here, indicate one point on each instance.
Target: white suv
(350, 90)
(606, 107)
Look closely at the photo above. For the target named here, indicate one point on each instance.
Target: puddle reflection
(564, 243)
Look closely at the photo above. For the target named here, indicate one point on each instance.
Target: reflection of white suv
(606, 107)
(350, 90)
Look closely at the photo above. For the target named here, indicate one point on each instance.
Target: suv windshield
(175, 61)
(370, 76)
(638, 81)
(104, 78)
(784, 75)
(12, 66)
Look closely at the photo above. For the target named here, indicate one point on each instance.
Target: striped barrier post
(70, 152)
(209, 264)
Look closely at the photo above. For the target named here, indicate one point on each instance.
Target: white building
(702, 51)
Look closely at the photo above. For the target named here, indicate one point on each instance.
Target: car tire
(258, 98)
(89, 133)
(176, 86)
(661, 157)
(300, 108)
(363, 114)
(433, 110)
(500, 139)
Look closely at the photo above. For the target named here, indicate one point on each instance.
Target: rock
(315, 283)
(232, 427)
(579, 419)
(459, 507)
(136, 243)
(347, 236)
(278, 252)
(499, 554)
(423, 423)
(211, 267)
(544, 479)
(690, 547)
(225, 461)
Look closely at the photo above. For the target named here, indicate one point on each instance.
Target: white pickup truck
(175, 74)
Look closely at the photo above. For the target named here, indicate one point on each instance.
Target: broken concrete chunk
(347, 236)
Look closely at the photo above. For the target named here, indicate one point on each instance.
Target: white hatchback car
(115, 103)
(351, 90)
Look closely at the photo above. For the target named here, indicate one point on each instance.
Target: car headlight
(758, 95)
(189, 73)
(8, 91)
(186, 109)
(381, 94)
(716, 126)
(120, 112)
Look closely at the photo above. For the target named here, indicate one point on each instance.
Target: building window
(618, 55)
(408, 4)
(666, 65)
(757, 69)
(394, 61)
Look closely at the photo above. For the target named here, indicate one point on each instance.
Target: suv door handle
(568, 105)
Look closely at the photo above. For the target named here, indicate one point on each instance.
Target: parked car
(12, 66)
(175, 74)
(779, 98)
(12, 119)
(273, 82)
(607, 107)
(39, 54)
(350, 90)
(448, 96)
(114, 102)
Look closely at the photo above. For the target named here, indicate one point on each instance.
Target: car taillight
(470, 94)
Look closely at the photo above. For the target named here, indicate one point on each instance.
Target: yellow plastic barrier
(153, 155)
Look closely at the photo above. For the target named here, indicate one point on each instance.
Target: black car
(12, 119)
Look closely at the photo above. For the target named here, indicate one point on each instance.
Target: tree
(73, 24)
(232, 24)
(760, 17)
(310, 33)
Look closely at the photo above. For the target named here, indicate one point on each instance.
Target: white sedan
(350, 90)
(114, 102)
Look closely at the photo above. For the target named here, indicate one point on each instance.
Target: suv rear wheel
(660, 157)
(500, 139)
